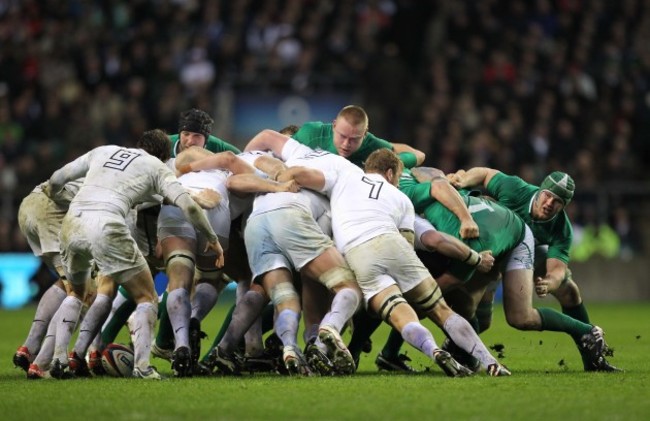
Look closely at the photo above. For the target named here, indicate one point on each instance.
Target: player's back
(365, 206)
(119, 178)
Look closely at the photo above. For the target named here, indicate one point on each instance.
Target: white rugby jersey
(296, 154)
(365, 206)
(66, 195)
(116, 179)
(241, 204)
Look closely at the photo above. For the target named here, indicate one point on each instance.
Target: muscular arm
(452, 247)
(306, 177)
(195, 215)
(267, 140)
(71, 171)
(555, 273)
(269, 165)
(223, 160)
(251, 183)
(473, 177)
(399, 148)
(443, 192)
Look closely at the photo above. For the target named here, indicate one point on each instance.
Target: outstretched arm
(306, 177)
(267, 140)
(446, 194)
(251, 183)
(476, 176)
(269, 165)
(403, 150)
(452, 247)
(196, 216)
(223, 160)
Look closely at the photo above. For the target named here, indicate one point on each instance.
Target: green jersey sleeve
(419, 193)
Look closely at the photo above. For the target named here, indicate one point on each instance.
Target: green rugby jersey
(518, 195)
(319, 135)
(501, 230)
(214, 144)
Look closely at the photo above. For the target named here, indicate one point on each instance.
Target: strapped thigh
(389, 304)
(182, 257)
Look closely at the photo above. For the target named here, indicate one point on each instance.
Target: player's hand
(541, 286)
(184, 169)
(47, 189)
(207, 198)
(457, 179)
(486, 263)
(290, 186)
(216, 247)
(468, 229)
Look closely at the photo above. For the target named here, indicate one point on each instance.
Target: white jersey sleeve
(293, 149)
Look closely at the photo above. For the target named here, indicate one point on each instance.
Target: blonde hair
(355, 115)
(383, 160)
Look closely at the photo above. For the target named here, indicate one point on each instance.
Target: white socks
(95, 317)
(143, 324)
(419, 337)
(70, 311)
(205, 297)
(344, 305)
(179, 310)
(461, 332)
(47, 306)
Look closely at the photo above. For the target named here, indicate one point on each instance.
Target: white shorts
(103, 236)
(386, 260)
(522, 256)
(172, 223)
(39, 219)
(283, 238)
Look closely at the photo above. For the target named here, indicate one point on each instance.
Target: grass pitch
(547, 383)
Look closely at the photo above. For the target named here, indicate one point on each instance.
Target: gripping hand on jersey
(206, 198)
(486, 262)
(216, 247)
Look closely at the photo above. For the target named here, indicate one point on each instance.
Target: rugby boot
(150, 373)
(498, 370)
(338, 353)
(182, 362)
(318, 361)
(295, 361)
(451, 367)
(78, 365)
(22, 358)
(34, 372)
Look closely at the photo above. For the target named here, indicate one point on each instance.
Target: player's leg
(140, 286)
(427, 299)
(91, 324)
(332, 271)
(395, 310)
(180, 260)
(278, 284)
(47, 306)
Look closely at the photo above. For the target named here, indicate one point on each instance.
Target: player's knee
(388, 305)
(522, 321)
(427, 301)
(184, 258)
(336, 276)
(283, 293)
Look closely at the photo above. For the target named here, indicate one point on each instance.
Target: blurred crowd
(522, 86)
